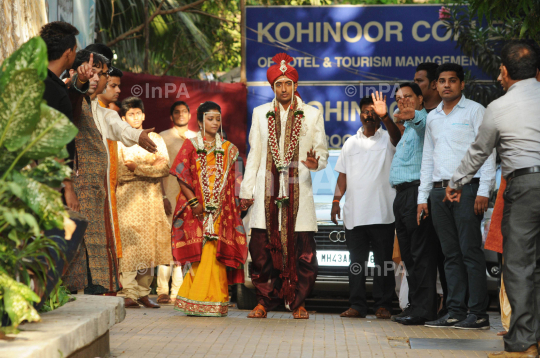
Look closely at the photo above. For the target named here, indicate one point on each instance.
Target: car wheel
(245, 298)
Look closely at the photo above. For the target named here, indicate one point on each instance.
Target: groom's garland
(212, 202)
(282, 165)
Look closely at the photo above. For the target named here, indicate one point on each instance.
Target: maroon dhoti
(266, 278)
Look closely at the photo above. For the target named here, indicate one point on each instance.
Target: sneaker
(473, 322)
(406, 312)
(443, 322)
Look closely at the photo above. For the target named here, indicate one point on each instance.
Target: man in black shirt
(59, 37)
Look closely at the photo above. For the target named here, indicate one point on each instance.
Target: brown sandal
(300, 313)
(351, 313)
(258, 312)
(163, 298)
(383, 313)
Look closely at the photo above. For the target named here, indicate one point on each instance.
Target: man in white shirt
(287, 140)
(364, 168)
(174, 139)
(450, 130)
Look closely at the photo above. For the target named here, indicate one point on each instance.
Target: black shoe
(412, 321)
(443, 322)
(473, 322)
(403, 314)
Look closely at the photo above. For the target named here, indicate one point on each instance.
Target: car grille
(322, 238)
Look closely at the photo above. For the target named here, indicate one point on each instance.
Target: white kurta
(366, 161)
(111, 126)
(313, 136)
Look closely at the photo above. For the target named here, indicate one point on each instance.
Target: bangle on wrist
(81, 82)
(336, 201)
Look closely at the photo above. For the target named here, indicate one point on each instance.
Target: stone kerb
(67, 329)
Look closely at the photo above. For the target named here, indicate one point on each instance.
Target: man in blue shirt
(450, 129)
(416, 241)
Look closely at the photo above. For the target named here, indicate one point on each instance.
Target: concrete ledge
(67, 329)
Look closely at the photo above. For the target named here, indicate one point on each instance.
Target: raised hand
(379, 104)
(311, 161)
(84, 72)
(406, 110)
(145, 142)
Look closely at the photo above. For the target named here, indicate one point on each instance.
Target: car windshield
(324, 181)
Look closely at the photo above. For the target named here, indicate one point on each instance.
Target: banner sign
(343, 53)
(350, 43)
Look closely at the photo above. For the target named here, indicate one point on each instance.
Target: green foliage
(31, 56)
(29, 203)
(523, 13)
(485, 26)
(59, 297)
(184, 43)
(17, 302)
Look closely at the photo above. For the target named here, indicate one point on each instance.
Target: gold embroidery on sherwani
(269, 180)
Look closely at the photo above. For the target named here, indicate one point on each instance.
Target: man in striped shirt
(416, 241)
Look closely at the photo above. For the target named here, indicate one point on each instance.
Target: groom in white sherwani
(287, 141)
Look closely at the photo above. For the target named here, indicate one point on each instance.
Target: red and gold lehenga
(211, 262)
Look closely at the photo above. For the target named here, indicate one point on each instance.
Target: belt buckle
(442, 184)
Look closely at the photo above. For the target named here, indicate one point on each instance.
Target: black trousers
(381, 239)
(418, 247)
(521, 260)
(458, 228)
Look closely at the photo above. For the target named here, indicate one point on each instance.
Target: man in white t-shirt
(364, 169)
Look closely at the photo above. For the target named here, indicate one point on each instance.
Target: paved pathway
(167, 333)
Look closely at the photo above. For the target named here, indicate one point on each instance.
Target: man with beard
(364, 167)
(90, 177)
(174, 139)
(287, 141)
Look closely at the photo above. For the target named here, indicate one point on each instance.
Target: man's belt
(444, 183)
(524, 171)
(403, 186)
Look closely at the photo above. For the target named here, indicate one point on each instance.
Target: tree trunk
(146, 36)
(243, 78)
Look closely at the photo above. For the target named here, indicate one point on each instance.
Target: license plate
(338, 258)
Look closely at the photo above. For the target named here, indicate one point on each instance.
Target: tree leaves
(17, 301)
(19, 113)
(42, 200)
(31, 55)
(50, 172)
(51, 134)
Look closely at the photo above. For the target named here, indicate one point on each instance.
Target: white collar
(361, 135)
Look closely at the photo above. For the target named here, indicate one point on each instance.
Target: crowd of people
(174, 200)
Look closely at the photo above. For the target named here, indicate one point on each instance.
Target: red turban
(281, 68)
